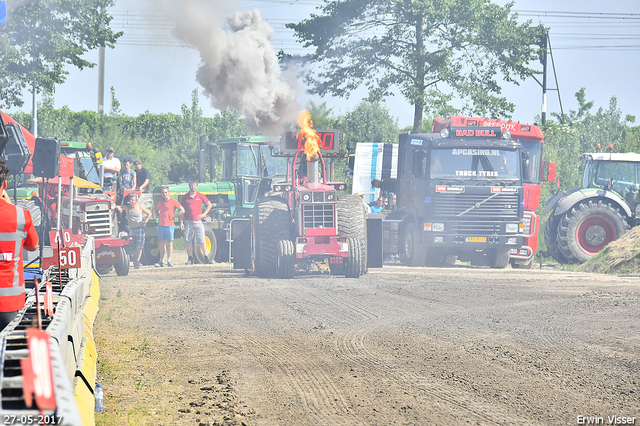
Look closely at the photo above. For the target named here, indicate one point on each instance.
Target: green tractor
(584, 220)
(248, 170)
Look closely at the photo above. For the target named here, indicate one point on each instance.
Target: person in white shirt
(111, 168)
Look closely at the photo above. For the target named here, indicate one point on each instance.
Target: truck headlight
(306, 197)
(526, 225)
(512, 228)
(512, 240)
(437, 227)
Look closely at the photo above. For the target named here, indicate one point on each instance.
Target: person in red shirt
(16, 231)
(193, 228)
(167, 207)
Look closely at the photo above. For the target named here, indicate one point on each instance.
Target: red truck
(531, 138)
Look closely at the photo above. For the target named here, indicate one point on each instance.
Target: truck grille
(500, 207)
(100, 222)
(318, 216)
(479, 228)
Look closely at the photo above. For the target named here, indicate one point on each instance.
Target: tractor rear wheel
(353, 268)
(272, 225)
(222, 251)
(211, 245)
(286, 261)
(151, 251)
(352, 223)
(551, 238)
(33, 209)
(587, 228)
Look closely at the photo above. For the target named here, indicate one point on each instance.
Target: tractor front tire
(122, 267)
(587, 228)
(352, 223)
(272, 225)
(551, 238)
(353, 268)
(286, 260)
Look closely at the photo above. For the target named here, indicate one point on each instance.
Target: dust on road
(407, 346)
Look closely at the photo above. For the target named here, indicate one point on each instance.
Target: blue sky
(150, 71)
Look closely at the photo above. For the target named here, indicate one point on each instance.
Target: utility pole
(34, 112)
(543, 58)
(101, 72)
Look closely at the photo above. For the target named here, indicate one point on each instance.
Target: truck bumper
(321, 247)
(438, 239)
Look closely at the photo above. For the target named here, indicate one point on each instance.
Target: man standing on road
(193, 228)
(111, 168)
(16, 231)
(167, 207)
(135, 217)
(143, 177)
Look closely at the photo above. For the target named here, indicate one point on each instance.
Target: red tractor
(302, 219)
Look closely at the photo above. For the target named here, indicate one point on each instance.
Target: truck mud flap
(375, 252)
(240, 250)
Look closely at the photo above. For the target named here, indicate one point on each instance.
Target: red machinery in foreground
(303, 219)
(531, 138)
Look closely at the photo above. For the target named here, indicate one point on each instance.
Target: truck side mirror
(548, 171)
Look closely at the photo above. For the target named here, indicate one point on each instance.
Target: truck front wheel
(587, 227)
(413, 253)
(499, 257)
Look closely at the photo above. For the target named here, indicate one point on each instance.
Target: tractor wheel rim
(594, 233)
(155, 248)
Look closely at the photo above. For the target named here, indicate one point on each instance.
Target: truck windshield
(474, 164)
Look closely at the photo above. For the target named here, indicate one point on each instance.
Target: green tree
(42, 37)
(369, 122)
(321, 115)
(428, 49)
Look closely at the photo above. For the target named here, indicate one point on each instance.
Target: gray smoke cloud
(239, 68)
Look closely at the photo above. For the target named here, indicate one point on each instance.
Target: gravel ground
(400, 346)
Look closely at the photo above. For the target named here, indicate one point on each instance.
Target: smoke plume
(239, 68)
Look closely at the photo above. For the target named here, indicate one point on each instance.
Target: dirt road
(399, 346)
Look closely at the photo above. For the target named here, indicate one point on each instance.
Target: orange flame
(311, 146)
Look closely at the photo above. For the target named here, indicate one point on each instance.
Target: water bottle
(99, 399)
